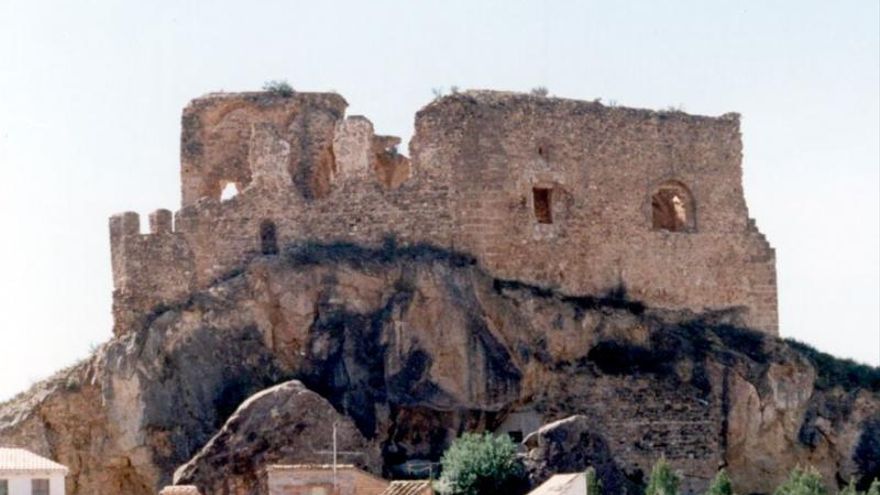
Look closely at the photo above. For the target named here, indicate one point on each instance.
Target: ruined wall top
(216, 131)
(511, 101)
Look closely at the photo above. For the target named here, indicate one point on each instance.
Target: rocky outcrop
(416, 345)
(571, 445)
(286, 423)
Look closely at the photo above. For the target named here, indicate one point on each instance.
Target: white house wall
(20, 484)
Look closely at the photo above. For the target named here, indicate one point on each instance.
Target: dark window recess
(543, 208)
(268, 238)
(516, 436)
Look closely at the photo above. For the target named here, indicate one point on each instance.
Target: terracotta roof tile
(563, 484)
(418, 487)
(180, 490)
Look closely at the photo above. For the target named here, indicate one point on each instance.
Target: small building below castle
(323, 479)
(24, 473)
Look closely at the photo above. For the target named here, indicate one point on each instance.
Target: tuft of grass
(279, 87)
(540, 91)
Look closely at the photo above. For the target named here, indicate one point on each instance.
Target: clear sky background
(91, 94)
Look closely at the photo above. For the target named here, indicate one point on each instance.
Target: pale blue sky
(91, 94)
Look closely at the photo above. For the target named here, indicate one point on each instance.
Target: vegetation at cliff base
(594, 484)
(802, 482)
(663, 480)
(481, 463)
(850, 489)
(721, 485)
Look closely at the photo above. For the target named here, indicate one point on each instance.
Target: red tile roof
(419, 487)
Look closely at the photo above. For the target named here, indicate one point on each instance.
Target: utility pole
(335, 458)
(335, 452)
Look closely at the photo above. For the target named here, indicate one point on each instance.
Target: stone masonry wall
(480, 162)
(602, 166)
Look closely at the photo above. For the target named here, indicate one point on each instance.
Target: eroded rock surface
(416, 345)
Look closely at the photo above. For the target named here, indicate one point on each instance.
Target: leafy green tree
(663, 480)
(875, 488)
(477, 464)
(721, 485)
(594, 484)
(802, 482)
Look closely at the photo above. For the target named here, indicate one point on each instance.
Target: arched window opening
(268, 237)
(672, 208)
(230, 190)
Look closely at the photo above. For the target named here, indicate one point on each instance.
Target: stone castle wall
(554, 192)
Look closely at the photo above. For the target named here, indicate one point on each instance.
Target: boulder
(284, 424)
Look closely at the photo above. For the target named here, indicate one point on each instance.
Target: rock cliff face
(411, 346)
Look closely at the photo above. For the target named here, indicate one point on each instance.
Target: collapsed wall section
(216, 132)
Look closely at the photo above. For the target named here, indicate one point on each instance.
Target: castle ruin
(573, 195)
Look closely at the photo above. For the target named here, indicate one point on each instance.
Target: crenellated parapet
(567, 194)
(149, 270)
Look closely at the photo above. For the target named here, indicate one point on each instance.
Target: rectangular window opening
(543, 211)
(40, 486)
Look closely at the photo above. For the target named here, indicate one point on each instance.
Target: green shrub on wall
(280, 88)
